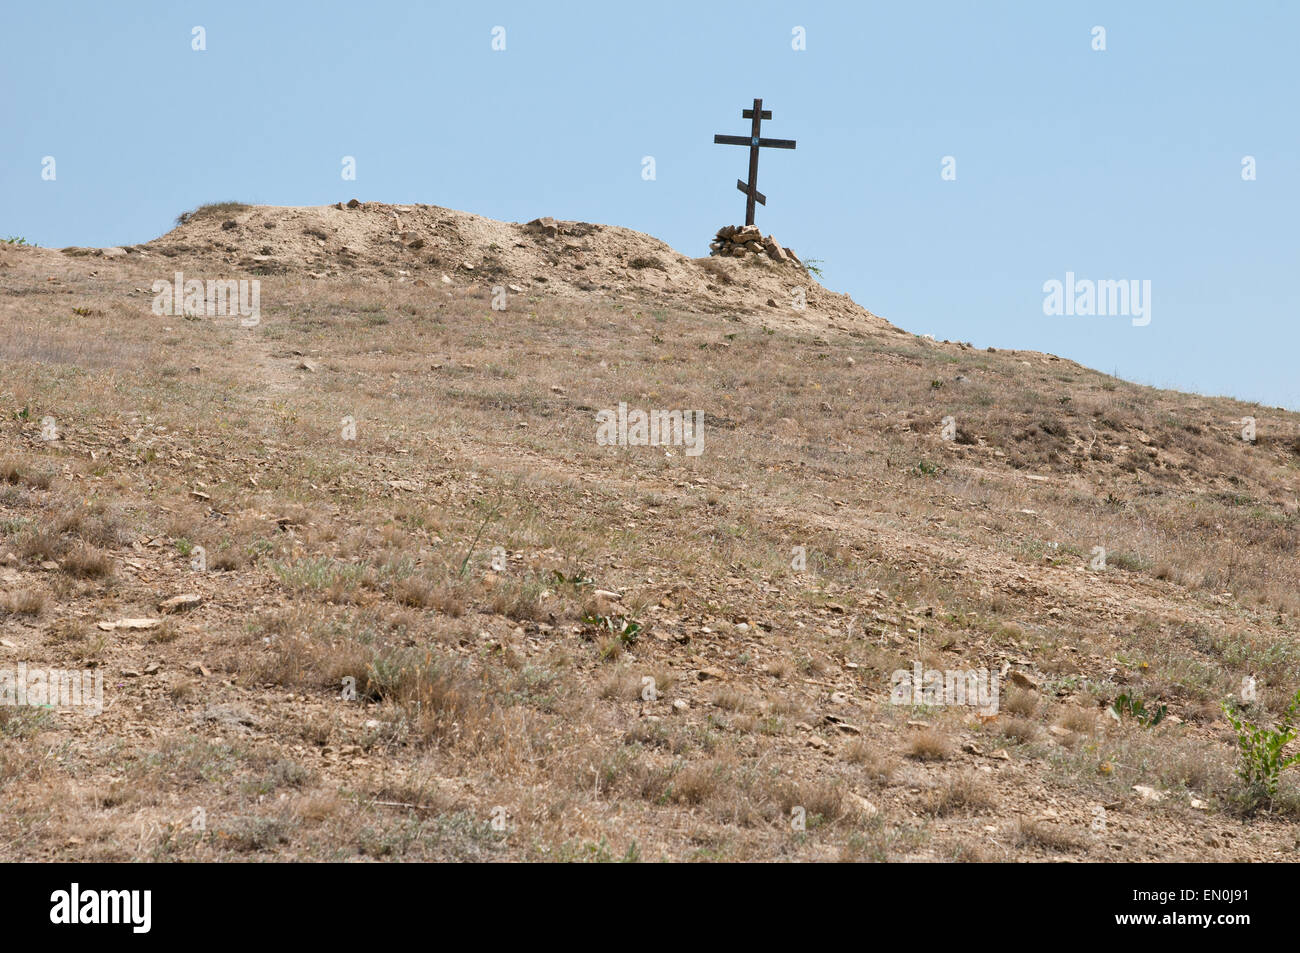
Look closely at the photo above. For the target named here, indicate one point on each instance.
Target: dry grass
(88, 562)
(1019, 730)
(1052, 837)
(366, 562)
(1021, 702)
(928, 745)
(960, 794)
(24, 602)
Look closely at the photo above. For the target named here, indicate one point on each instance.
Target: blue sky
(1117, 164)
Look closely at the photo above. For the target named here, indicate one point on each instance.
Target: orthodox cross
(755, 142)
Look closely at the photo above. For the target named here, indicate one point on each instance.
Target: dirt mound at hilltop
(439, 246)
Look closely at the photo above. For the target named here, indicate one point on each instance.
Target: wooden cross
(755, 142)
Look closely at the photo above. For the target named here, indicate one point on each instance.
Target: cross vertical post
(752, 191)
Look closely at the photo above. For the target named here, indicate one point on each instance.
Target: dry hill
(567, 650)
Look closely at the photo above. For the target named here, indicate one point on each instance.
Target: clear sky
(1123, 163)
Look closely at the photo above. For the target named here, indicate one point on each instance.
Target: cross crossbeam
(755, 141)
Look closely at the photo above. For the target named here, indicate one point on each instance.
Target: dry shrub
(416, 591)
(87, 562)
(779, 668)
(23, 602)
(961, 793)
(1079, 720)
(716, 269)
(697, 782)
(928, 745)
(619, 685)
(878, 764)
(1020, 701)
(1031, 833)
(822, 800)
(18, 474)
(1020, 730)
(730, 698)
(318, 806)
(519, 600)
(41, 543)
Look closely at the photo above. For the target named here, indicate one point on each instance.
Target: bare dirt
(502, 709)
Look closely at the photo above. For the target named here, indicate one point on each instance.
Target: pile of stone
(738, 241)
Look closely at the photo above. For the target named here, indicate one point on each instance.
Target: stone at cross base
(738, 241)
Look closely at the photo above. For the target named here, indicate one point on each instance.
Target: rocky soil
(363, 585)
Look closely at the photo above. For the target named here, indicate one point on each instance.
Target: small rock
(353, 203)
(842, 725)
(135, 624)
(681, 704)
(545, 226)
(1023, 680)
(186, 600)
(865, 807)
(232, 716)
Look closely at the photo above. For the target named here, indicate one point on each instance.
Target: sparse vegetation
(212, 210)
(367, 676)
(1263, 757)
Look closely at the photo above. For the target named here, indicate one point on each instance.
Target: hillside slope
(671, 654)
